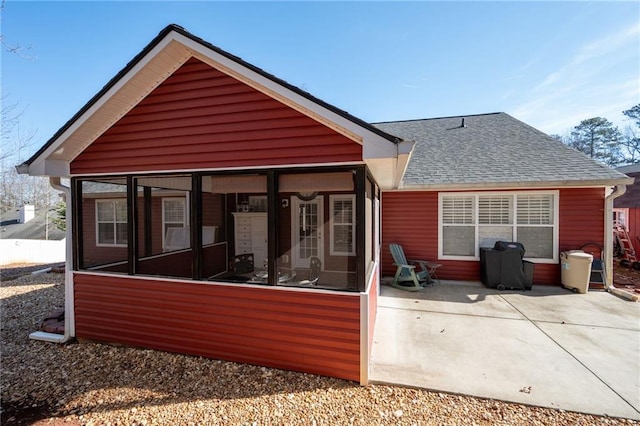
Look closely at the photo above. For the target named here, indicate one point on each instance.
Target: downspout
(69, 322)
(608, 243)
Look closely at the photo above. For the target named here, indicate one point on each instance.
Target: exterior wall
(633, 222)
(631, 200)
(314, 332)
(92, 253)
(411, 219)
(200, 118)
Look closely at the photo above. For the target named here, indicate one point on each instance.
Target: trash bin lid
(580, 256)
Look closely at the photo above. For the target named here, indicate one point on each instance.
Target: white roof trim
(109, 97)
(160, 62)
(518, 185)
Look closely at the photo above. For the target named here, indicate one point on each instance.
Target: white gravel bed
(95, 384)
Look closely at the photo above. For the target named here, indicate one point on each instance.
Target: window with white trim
(174, 218)
(111, 222)
(343, 225)
(620, 217)
(470, 221)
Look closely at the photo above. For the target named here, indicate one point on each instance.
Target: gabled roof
(492, 151)
(629, 170)
(159, 59)
(631, 197)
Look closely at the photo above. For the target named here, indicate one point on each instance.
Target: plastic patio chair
(598, 273)
(406, 272)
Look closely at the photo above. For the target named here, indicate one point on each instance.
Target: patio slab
(548, 347)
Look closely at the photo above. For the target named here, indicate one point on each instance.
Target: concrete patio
(547, 347)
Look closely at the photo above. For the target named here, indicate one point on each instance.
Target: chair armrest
(427, 265)
(405, 266)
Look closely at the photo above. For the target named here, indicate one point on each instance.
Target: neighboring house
(28, 235)
(626, 208)
(27, 223)
(190, 156)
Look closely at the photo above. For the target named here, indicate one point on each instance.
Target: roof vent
(462, 124)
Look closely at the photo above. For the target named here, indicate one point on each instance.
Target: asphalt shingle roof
(35, 229)
(631, 198)
(490, 149)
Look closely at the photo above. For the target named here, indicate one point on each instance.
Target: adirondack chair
(406, 272)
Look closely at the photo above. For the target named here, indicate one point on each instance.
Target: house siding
(633, 222)
(200, 118)
(411, 219)
(311, 332)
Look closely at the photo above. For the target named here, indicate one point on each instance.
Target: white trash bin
(576, 270)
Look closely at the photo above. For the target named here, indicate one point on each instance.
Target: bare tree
(15, 144)
(599, 139)
(631, 135)
(12, 47)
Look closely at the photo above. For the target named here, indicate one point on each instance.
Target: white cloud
(597, 80)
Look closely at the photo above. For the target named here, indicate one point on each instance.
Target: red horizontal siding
(200, 118)
(411, 219)
(581, 217)
(633, 222)
(309, 332)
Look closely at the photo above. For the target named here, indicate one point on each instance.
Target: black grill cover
(503, 266)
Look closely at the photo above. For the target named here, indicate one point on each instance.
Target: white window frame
(114, 222)
(625, 216)
(514, 194)
(184, 223)
(332, 224)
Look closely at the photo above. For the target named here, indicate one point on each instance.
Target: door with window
(306, 232)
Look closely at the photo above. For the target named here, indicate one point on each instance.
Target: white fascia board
(383, 170)
(47, 167)
(59, 168)
(406, 147)
(100, 102)
(375, 146)
(517, 185)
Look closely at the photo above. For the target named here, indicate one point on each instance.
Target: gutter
(69, 315)
(608, 244)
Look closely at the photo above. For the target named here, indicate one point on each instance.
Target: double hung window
(174, 224)
(470, 221)
(343, 225)
(111, 222)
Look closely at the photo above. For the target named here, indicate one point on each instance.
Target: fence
(31, 251)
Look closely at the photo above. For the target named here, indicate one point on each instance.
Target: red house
(190, 159)
(626, 208)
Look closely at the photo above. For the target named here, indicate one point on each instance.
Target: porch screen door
(306, 232)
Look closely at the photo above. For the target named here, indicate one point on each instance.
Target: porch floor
(547, 347)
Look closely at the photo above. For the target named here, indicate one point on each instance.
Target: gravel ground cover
(96, 384)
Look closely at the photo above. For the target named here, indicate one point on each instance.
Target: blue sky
(550, 64)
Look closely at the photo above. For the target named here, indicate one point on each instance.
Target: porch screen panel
(104, 224)
(317, 230)
(164, 233)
